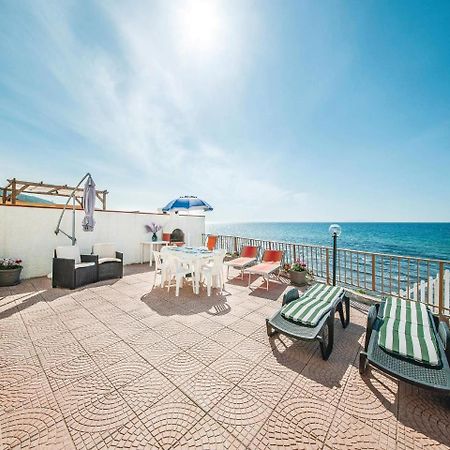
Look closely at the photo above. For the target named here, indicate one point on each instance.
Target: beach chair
(248, 256)
(311, 316)
(270, 263)
(427, 367)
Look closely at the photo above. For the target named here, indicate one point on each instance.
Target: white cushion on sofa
(69, 252)
(104, 250)
(84, 264)
(105, 260)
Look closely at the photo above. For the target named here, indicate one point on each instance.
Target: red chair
(211, 242)
(247, 257)
(271, 261)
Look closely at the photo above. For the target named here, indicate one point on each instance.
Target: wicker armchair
(110, 262)
(71, 269)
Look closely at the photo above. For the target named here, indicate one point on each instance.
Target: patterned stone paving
(121, 365)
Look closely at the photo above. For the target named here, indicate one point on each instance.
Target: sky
(269, 110)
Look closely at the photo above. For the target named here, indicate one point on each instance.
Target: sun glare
(200, 25)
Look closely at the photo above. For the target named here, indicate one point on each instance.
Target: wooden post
(441, 288)
(104, 200)
(235, 245)
(374, 286)
(4, 195)
(13, 191)
(327, 256)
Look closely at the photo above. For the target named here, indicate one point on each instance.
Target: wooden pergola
(16, 187)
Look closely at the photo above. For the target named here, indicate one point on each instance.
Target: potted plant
(297, 272)
(10, 271)
(153, 228)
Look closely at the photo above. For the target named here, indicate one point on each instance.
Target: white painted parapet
(28, 233)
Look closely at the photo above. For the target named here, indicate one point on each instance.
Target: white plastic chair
(160, 267)
(213, 271)
(176, 269)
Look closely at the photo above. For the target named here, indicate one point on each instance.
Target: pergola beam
(16, 187)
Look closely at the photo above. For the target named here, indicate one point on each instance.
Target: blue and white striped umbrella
(188, 202)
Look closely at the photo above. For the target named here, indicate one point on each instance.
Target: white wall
(28, 233)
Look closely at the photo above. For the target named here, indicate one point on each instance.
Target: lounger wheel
(362, 363)
(327, 338)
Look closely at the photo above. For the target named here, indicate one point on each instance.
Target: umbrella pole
(72, 196)
(74, 240)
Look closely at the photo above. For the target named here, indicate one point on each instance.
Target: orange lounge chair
(271, 261)
(247, 257)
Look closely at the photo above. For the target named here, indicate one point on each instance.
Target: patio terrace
(121, 365)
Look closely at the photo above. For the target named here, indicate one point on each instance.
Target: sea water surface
(426, 240)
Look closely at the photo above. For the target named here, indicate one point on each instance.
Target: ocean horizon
(417, 239)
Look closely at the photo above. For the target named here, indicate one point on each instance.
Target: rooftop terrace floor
(122, 365)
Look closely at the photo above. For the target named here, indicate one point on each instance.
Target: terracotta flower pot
(298, 278)
(10, 277)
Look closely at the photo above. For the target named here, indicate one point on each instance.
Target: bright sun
(200, 25)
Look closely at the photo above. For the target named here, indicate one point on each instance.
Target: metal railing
(423, 279)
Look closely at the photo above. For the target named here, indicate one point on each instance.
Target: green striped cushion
(312, 305)
(407, 331)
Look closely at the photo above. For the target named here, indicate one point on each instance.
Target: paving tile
(233, 366)
(227, 337)
(133, 435)
(99, 341)
(346, 431)
(54, 356)
(207, 351)
(186, 339)
(126, 371)
(423, 417)
(144, 391)
(181, 367)
(208, 434)
(240, 414)
(206, 388)
(34, 428)
(69, 371)
(171, 418)
(244, 326)
(251, 349)
(265, 385)
(92, 424)
(34, 392)
(116, 352)
(158, 353)
(20, 371)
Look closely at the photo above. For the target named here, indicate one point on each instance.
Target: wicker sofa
(71, 269)
(110, 261)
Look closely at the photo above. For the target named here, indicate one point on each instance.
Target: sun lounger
(314, 313)
(403, 363)
(247, 257)
(270, 263)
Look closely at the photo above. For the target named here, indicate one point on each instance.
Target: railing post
(441, 288)
(327, 256)
(374, 286)
(235, 245)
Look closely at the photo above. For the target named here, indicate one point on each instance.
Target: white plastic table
(194, 257)
(151, 246)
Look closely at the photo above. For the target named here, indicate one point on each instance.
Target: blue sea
(426, 240)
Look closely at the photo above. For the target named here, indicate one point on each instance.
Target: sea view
(430, 240)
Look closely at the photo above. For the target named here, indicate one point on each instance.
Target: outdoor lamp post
(335, 231)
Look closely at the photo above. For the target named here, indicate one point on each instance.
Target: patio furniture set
(71, 269)
(403, 338)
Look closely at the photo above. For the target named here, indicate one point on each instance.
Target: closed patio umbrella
(89, 205)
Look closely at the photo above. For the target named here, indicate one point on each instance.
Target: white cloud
(138, 105)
